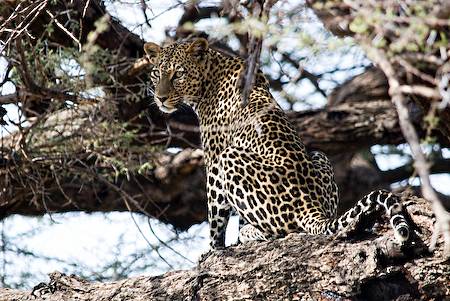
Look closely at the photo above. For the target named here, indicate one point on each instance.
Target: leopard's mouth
(166, 106)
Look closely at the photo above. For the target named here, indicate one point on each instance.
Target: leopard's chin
(167, 109)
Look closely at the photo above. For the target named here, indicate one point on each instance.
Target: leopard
(256, 163)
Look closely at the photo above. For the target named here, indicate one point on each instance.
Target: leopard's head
(178, 72)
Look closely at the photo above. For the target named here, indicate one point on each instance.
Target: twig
(85, 9)
(64, 29)
(420, 90)
(303, 73)
(410, 68)
(8, 70)
(260, 9)
(144, 7)
(154, 248)
(24, 24)
(165, 244)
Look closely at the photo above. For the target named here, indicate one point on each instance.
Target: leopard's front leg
(218, 209)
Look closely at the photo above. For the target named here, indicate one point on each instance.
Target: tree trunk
(298, 267)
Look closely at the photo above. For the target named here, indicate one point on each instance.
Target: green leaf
(359, 25)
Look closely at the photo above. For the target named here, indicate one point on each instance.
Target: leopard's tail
(369, 205)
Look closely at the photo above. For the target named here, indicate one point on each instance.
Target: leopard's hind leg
(325, 178)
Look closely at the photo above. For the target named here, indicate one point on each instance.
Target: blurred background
(95, 181)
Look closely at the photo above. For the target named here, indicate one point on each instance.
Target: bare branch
(64, 29)
(24, 17)
(303, 73)
(8, 99)
(421, 164)
(423, 91)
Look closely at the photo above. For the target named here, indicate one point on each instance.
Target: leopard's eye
(155, 73)
(178, 74)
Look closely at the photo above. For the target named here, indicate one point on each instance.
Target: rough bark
(298, 267)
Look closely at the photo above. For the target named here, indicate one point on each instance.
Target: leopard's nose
(162, 98)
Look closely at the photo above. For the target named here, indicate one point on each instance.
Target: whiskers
(182, 103)
(149, 91)
(153, 105)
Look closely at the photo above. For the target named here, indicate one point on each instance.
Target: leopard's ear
(151, 50)
(198, 49)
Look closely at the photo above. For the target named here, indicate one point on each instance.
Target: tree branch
(303, 73)
(421, 165)
(275, 270)
(398, 174)
(173, 191)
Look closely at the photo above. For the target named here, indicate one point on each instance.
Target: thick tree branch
(8, 99)
(299, 267)
(398, 174)
(172, 192)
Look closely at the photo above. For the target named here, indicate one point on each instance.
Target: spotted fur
(256, 163)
